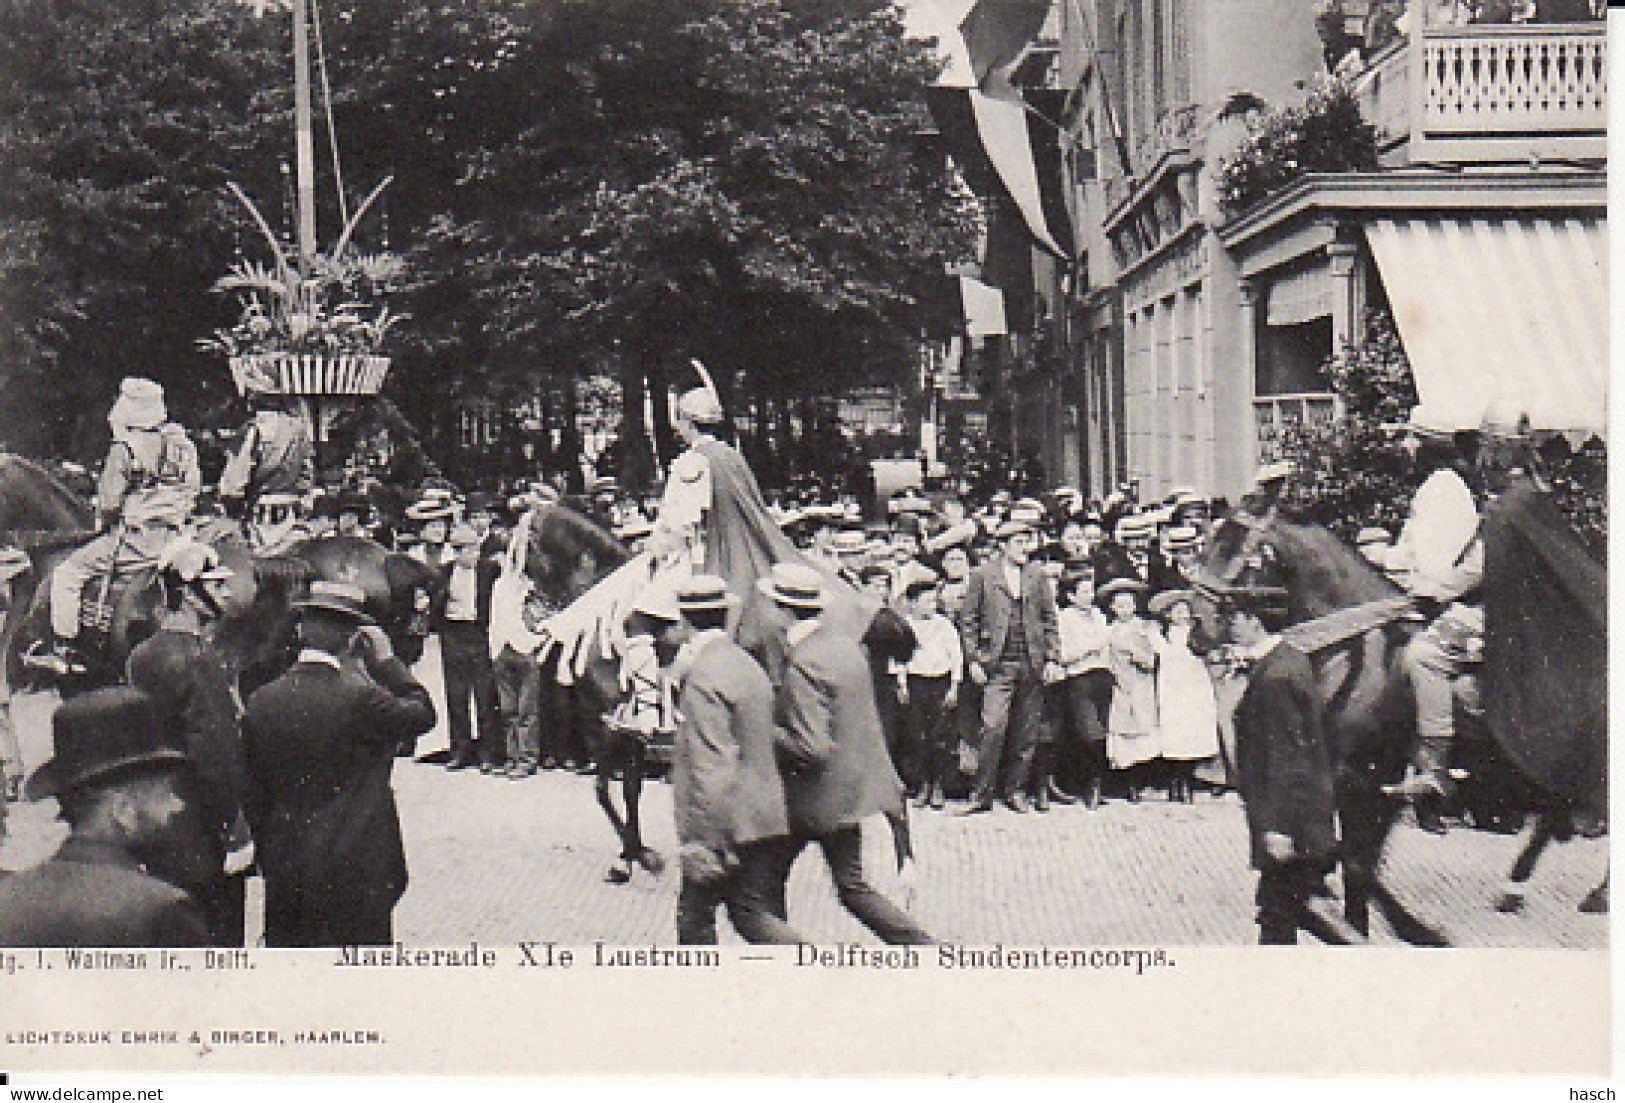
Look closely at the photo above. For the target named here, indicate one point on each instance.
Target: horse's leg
(1367, 817)
(1523, 867)
(621, 872)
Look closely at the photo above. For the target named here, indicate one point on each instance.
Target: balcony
(1277, 417)
(1482, 94)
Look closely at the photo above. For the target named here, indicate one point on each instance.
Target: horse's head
(34, 502)
(1319, 572)
(566, 553)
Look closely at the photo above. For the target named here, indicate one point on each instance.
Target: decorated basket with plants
(316, 331)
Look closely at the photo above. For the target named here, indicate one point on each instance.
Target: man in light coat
(840, 772)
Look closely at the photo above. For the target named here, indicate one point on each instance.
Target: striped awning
(1504, 310)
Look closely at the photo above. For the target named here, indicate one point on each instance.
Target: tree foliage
(581, 186)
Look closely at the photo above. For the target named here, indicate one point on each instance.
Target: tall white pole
(304, 144)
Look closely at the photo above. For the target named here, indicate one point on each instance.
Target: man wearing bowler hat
(124, 792)
(840, 772)
(320, 744)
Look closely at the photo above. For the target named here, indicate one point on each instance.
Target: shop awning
(1505, 309)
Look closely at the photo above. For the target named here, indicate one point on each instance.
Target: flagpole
(304, 144)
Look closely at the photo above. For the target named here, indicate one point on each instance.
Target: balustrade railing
(1503, 92)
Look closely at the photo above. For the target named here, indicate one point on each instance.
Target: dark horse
(40, 516)
(1362, 680)
(1368, 699)
(566, 554)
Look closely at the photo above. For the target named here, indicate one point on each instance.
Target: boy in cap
(148, 490)
(644, 711)
(462, 617)
(134, 835)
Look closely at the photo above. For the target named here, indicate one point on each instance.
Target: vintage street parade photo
(1018, 484)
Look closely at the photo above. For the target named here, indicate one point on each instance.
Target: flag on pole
(997, 33)
(1004, 143)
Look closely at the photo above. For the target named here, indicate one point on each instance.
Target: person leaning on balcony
(148, 490)
(275, 455)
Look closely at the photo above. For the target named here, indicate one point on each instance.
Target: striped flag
(1006, 142)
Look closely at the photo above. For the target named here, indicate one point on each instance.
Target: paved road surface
(501, 860)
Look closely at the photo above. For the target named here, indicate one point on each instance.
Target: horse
(1369, 701)
(46, 520)
(1361, 677)
(565, 555)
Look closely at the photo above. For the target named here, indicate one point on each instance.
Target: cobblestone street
(499, 860)
(494, 859)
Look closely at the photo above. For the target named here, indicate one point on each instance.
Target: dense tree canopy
(582, 186)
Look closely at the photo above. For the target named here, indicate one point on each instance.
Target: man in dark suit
(1011, 642)
(728, 794)
(462, 616)
(123, 789)
(830, 729)
(1284, 770)
(177, 666)
(320, 745)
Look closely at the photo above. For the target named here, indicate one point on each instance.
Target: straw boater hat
(910, 501)
(1182, 538)
(1136, 527)
(342, 599)
(635, 527)
(704, 591)
(431, 509)
(100, 735)
(1012, 527)
(795, 585)
(1161, 603)
(140, 405)
(1275, 472)
(660, 602)
(1372, 534)
(849, 542)
(1105, 594)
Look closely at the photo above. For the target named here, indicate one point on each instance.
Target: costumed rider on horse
(268, 480)
(1439, 559)
(144, 502)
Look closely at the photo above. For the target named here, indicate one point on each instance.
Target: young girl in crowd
(1131, 732)
(1187, 714)
(1081, 699)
